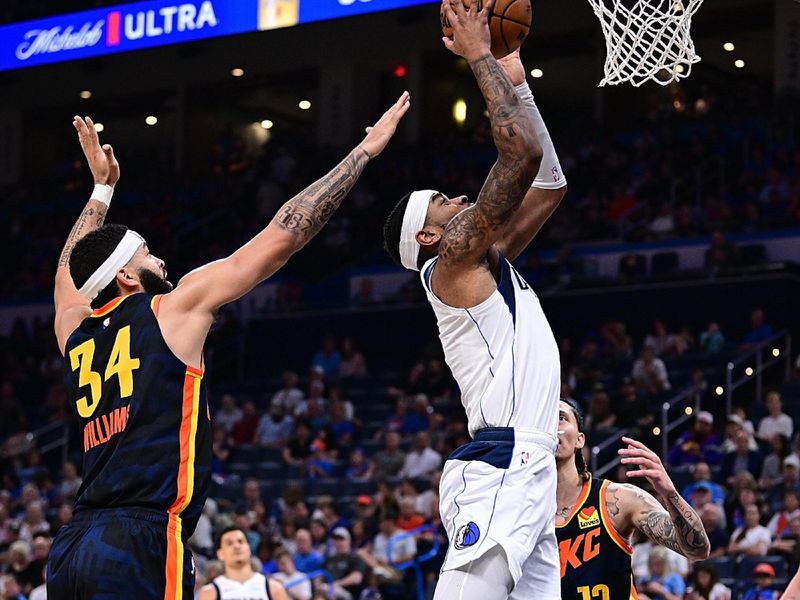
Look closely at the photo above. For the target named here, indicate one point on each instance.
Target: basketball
(509, 24)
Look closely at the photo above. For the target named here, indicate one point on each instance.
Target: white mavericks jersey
(254, 588)
(502, 354)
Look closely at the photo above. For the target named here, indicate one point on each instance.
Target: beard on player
(154, 283)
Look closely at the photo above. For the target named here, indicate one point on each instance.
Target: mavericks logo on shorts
(466, 536)
(588, 517)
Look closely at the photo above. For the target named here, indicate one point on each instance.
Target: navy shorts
(120, 554)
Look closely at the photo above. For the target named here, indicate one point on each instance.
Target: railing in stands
(418, 560)
(310, 577)
(667, 425)
(778, 348)
(600, 470)
(61, 442)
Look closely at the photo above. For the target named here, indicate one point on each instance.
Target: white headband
(413, 222)
(106, 272)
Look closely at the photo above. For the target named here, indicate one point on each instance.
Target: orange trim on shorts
(634, 595)
(608, 524)
(587, 486)
(155, 304)
(109, 306)
(188, 436)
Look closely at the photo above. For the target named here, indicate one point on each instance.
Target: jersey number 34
(120, 364)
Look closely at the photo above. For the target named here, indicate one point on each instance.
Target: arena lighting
(739, 64)
(729, 46)
(151, 120)
(237, 72)
(266, 124)
(719, 390)
(304, 104)
(460, 111)
(85, 94)
(537, 73)
(99, 127)
(688, 410)
(776, 353)
(400, 71)
(748, 371)
(656, 430)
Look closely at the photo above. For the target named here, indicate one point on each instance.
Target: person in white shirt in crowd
(752, 539)
(706, 584)
(314, 403)
(289, 396)
(404, 548)
(202, 538)
(70, 483)
(296, 583)
(776, 422)
(228, 414)
(640, 561)
(771, 471)
(421, 460)
(650, 373)
(428, 501)
(274, 428)
(733, 425)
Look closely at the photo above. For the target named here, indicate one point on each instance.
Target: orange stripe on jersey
(634, 595)
(587, 486)
(609, 524)
(188, 435)
(155, 304)
(109, 306)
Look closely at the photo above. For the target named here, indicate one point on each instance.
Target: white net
(647, 40)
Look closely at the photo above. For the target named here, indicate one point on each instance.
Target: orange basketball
(509, 24)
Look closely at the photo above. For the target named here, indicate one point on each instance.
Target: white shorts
(500, 489)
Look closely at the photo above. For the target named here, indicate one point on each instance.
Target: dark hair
(708, 568)
(90, 252)
(392, 229)
(228, 529)
(580, 463)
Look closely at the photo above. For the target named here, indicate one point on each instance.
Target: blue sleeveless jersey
(143, 415)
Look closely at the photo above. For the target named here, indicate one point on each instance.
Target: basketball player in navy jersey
(595, 519)
(239, 581)
(133, 348)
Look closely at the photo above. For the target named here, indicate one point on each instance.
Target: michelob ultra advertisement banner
(142, 25)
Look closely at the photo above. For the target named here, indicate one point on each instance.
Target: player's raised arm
(71, 306)
(550, 185)
(206, 289)
(678, 527)
(473, 231)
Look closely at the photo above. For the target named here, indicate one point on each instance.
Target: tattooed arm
(671, 523)
(71, 307)
(470, 234)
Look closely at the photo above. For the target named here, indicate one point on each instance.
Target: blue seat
(243, 470)
(724, 565)
(269, 470)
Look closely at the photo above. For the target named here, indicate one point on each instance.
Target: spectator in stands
(353, 364)
(18, 559)
(63, 516)
(274, 428)
(251, 493)
(358, 466)
(245, 428)
(421, 460)
(319, 536)
(764, 576)
(313, 409)
(33, 575)
(228, 414)
(617, 344)
(329, 358)
(347, 569)
(299, 448)
(711, 516)
(391, 459)
(759, 330)
(741, 460)
(658, 339)
(711, 340)
(696, 445)
(734, 424)
(9, 587)
(34, 522)
(296, 583)
(305, 558)
(600, 416)
(706, 584)
(220, 450)
(789, 482)
(409, 519)
(650, 373)
(752, 538)
(328, 514)
(633, 411)
(701, 474)
(403, 549)
(721, 254)
(436, 381)
(419, 417)
(776, 422)
(70, 482)
(780, 525)
(318, 465)
(428, 501)
(342, 429)
(771, 470)
(662, 584)
(289, 396)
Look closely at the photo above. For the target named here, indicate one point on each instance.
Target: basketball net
(649, 41)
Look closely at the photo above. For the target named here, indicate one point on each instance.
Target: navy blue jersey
(143, 416)
(595, 560)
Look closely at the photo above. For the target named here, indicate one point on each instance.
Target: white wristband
(525, 94)
(102, 193)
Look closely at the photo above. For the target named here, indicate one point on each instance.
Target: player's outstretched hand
(649, 466)
(512, 65)
(471, 38)
(379, 134)
(102, 162)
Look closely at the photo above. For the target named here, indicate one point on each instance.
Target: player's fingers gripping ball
(509, 23)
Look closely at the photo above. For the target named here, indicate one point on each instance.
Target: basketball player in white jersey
(239, 581)
(497, 494)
